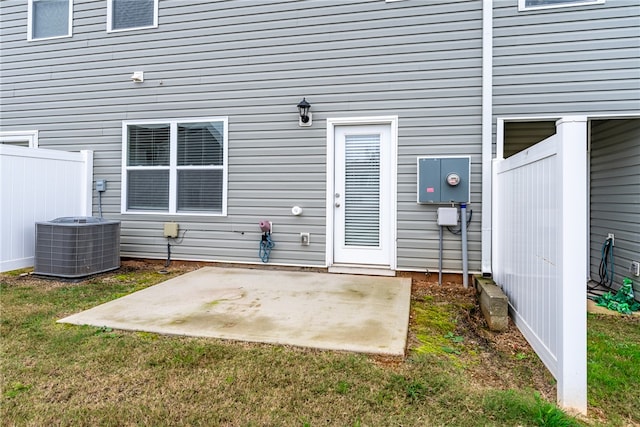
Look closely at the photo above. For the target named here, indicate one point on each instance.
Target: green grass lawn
(613, 364)
(455, 373)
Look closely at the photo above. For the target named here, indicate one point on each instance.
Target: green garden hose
(623, 301)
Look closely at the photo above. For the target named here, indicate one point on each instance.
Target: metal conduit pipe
(465, 266)
(440, 259)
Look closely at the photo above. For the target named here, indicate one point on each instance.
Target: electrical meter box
(443, 179)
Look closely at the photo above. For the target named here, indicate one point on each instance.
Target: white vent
(74, 247)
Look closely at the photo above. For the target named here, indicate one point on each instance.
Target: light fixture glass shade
(303, 109)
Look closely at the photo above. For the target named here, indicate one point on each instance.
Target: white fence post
(572, 375)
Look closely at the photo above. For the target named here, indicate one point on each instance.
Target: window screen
(149, 145)
(200, 144)
(49, 18)
(132, 14)
(148, 190)
(200, 190)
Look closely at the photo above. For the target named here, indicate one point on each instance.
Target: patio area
(327, 311)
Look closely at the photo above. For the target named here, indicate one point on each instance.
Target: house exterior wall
(615, 195)
(566, 61)
(252, 62)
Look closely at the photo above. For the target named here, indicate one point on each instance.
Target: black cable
(459, 230)
(166, 264)
(178, 240)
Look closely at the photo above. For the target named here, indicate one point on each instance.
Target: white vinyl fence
(38, 185)
(540, 255)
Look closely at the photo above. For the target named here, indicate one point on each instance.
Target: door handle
(337, 204)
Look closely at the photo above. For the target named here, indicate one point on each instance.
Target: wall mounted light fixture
(305, 115)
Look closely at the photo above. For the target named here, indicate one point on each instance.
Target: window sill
(165, 214)
(122, 30)
(39, 39)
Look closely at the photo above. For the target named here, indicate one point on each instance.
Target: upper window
(131, 14)
(548, 4)
(49, 19)
(175, 166)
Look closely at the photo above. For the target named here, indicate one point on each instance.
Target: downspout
(487, 131)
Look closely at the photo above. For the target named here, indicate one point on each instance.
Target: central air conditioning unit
(73, 247)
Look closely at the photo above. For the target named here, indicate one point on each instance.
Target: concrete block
(478, 281)
(493, 303)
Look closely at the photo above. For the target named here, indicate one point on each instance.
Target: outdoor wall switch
(171, 230)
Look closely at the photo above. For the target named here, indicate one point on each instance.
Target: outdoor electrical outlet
(304, 239)
(635, 268)
(611, 237)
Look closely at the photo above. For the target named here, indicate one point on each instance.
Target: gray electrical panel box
(101, 185)
(443, 179)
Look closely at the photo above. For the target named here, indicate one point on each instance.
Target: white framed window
(175, 166)
(550, 4)
(49, 19)
(21, 138)
(123, 15)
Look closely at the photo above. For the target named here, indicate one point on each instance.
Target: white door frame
(392, 122)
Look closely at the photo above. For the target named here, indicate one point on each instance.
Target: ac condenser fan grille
(74, 247)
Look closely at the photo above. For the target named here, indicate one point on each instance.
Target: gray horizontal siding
(252, 62)
(573, 60)
(519, 136)
(615, 195)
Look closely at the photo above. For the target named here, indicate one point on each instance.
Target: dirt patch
(596, 309)
(130, 270)
(501, 360)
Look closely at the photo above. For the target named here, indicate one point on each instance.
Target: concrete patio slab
(367, 314)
